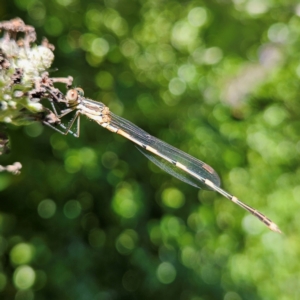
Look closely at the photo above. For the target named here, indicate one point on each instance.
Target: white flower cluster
(22, 65)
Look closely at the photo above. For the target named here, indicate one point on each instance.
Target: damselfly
(174, 161)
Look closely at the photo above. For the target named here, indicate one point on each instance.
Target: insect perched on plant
(174, 161)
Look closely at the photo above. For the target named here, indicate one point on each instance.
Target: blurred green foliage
(91, 218)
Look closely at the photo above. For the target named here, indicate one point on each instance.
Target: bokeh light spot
(72, 162)
(197, 16)
(274, 115)
(184, 34)
(46, 208)
(126, 241)
(126, 201)
(24, 277)
(24, 295)
(187, 72)
(232, 296)
(58, 142)
(72, 209)
(129, 48)
(278, 33)
(212, 55)
(173, 197)
(251, 225)
(239, 176)
(173, 226)
(104, 80)
(188, 257)
(177, 86)
(99, 47)
(65, 2)
(87, 156)
(21, 253)
(256, 7)
(86, 40)
(109, 160)
(54, 26)
(119, 26)
(37, 11)
(166, 273)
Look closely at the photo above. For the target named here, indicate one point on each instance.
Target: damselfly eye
(72, 95)
(80, 91)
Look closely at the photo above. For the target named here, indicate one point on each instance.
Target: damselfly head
(73, 94)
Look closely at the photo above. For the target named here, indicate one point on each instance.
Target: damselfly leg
(63, 112)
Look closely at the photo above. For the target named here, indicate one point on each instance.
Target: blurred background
(92, 218)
